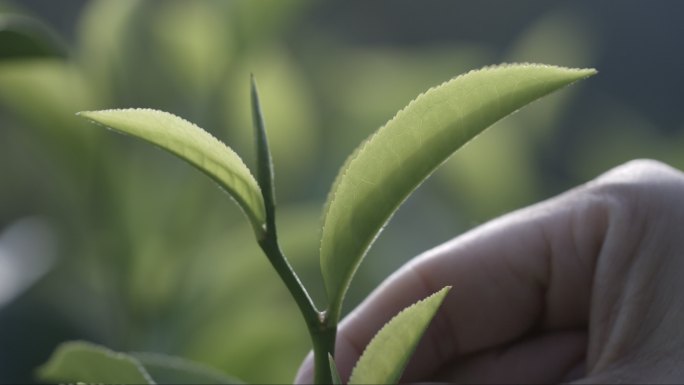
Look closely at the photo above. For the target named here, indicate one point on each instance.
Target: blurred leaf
(28, 86)
(232, 331)
(403, 153)
(101, 47)
(257, 21)
(195, 146)
(85, 362)
(495, 162)
(26, 37)
(175, 370)
(194, 42)
(385, 357)
(364, 90)
(79, 361)
(560, 37)
(44, 94)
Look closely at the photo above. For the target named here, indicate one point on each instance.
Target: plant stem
(323, 340)
(322, 335)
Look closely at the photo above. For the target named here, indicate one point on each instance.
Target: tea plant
(371, 185)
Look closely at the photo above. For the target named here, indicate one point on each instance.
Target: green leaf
(195, 146)
(393, 162)
(26, 37)
(175, 370)
(385, 357)
(336, 380)
(85, 362)
(264, 159)
(79, 361)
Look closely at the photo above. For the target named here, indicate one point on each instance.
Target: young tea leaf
(389, 165)
(195, 146)
(85, 362)
(175, 370)
(264, 159)
(385, 357)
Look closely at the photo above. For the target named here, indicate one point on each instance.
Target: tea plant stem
(323, 339)
(322, 335)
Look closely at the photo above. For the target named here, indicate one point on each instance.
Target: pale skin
(587, 286)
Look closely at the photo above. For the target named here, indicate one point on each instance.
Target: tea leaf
(385, 357)
(195, 146)
(264, 159)
(175, 370)
(393, 162)
(79, 361)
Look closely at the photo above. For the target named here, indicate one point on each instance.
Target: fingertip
(305, 372)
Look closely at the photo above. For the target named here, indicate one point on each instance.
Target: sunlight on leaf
(385, 357)
(195, 146)
(388, 166)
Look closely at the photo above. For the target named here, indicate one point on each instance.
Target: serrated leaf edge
(348, 162)
(261, 227)
(332, 194)
(442, 292)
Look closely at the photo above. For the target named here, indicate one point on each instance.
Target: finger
(529, 270)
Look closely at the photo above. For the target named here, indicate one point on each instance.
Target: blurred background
(108, 239)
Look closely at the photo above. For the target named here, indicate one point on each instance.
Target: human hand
(587, 286)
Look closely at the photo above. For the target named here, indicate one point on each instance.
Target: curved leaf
(25, 37)
(175, 370)
(79, 361)
(195, 146)
(385, 357)
(401, 155)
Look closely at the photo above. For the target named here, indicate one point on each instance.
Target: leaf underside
(194, 145)
(84, 362)
(384, 359)
(393, 162)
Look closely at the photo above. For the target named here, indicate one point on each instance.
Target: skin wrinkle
(544, 285)
(619, 213)
(627, 206)
(491, 266)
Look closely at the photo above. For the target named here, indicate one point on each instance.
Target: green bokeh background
(107, 239)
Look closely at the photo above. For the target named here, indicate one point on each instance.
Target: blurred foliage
(151, 256)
